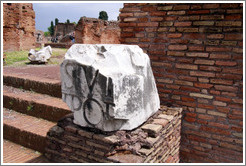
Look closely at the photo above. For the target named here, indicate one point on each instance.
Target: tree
(46, 34)
(103, 15)
(51, 28)
(56, 21)
(68, 21)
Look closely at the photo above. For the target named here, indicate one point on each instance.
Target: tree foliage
(103, 15)
(68, 21)
(46, 34)
(51, 28)
(56, 21)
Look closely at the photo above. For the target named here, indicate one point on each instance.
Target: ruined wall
(95, 31)
(197, 59)
(18, 26)
(62, 29)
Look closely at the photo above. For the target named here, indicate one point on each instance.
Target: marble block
(109, 86)
(40, 56)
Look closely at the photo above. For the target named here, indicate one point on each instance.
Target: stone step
(37, 84)
(14, 153)
(34, 104)
(25, 130)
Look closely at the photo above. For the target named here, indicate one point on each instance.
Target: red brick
(219, 125)
(191, 114)
(215, 92)
(229, 76)
(176, 12)
(233, 36)
(228, 23)
(218, 49)
(211, 6)
(234, 17)
(202, 74)
(220, 81)
(173, 86)
(188, 18)
(229, 5)
(196, 138)
(205, 117)
(186, 29)
(148, 8)
(157, 46)
(196, 6)
(130, 9)
(187, 104)
(210, 68)
(206, 106)
(179, 41)
(158, 13)
(127, 34)
(198, 11)
(148, 24)
(159, 40)
(201, 85)
(156, 19)
(182, 24)
(126, 14)
(189, 89)
(204, 62)
(235, 117)
(189, 119)
(170, 18)
(215, 36)
(143, 19)
(174, 35)
(181, 7)
(226, 88)
(186, 66)
(196, 48)
(229, 94)
(237, 129)
(215, 130)
(226, 63)
(223, 109)
(127, 24)
(189, 99)
(185, 60)
(220, 56)
(177, 47)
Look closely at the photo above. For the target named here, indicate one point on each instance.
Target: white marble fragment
(40, 56)
(109, 86)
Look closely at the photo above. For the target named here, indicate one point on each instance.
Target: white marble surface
(40, 56)
(109, 86)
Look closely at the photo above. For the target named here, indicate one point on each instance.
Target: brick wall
(18, 26)
(197, 59)
(156, 141)
(96, 31)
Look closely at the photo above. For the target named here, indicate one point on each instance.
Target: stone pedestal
(155, 141)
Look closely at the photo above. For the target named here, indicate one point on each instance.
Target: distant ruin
(18, 26)
(62, 30)
(96, 31)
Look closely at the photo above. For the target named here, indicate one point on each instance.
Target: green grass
(20, 58)
(15, 56)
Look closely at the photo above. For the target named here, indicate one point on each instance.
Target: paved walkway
(41, 71)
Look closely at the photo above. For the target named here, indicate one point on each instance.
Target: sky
(47, 12)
